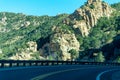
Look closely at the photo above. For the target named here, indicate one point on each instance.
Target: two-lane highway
(63, 72)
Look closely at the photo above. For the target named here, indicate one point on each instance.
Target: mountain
(90, 33)
(87, 16)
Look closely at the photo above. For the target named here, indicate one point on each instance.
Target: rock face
(25, 54)
(91, 1)
(59, 46)
(66, 42)
(86, 17)
(32, 46)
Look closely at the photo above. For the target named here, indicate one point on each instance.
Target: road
(63, 72)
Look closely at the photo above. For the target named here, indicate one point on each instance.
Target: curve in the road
(41, 77)
(104, 72)
(64, 72)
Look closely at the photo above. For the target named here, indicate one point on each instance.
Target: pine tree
(100, 57)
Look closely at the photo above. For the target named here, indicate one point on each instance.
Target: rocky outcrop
(59, 45)
(25, 24)
(32, 46)
(86, 17)
(21, 56)
(3, 20)
(26, 54)
(66, 42)
(91, 1)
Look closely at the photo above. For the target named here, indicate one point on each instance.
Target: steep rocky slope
(81, 35)
(87, 16)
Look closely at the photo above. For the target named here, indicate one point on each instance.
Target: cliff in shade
(90, 33)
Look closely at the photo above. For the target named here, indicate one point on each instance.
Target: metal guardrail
(19, 63)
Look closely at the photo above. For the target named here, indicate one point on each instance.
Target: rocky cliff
(59, 45)
(66, 41)
(87, 16)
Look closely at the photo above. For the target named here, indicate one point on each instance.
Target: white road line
(53, 73)
(99, 75)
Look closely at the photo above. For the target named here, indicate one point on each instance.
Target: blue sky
(43, 7)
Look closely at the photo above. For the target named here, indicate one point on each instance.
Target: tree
(74, 54)
(92, 6)
(118, 59)
(100, 57)
(116, 6)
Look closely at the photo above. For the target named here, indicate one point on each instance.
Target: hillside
(116, 6)
(91, 33)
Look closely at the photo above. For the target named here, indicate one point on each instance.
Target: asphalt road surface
(63, 72)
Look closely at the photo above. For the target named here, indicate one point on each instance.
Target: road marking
(99, 75)
(41, 77)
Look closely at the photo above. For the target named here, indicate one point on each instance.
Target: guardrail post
(52, 63)
(61, 63)
(36, 64)
(30, 64)
(2, 65)
(75, 62)
(10, 64)
(57, 63)
(18, 64)
(47, 63)
(70, 62)
(41, 63)
(24, 64)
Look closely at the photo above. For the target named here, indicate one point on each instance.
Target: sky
(43, 7)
